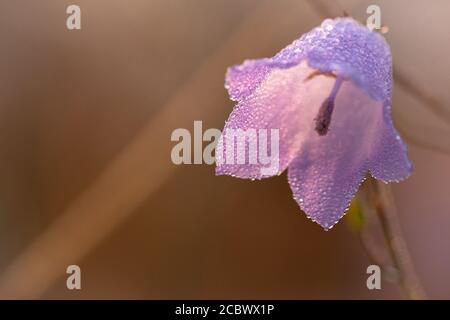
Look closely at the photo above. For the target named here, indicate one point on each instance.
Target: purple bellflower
(329, 95)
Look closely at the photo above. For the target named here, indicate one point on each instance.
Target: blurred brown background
(86, 176)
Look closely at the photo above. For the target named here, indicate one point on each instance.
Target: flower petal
(242, 80)
(389, 159)
(328, 170)
(283, 101)
(342, 45)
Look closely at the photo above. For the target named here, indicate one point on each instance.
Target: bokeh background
(86, 175)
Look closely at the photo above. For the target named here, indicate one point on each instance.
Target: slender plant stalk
(381, 201)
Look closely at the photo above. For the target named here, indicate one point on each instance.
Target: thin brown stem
(370, 238)
(390, 226)
(427, 100)
(418, 141)
(329, 9)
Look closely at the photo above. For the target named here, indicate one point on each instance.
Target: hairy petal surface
(285, 102)
(242, 80)
(389, 158)
(342, 45)
(328, 170)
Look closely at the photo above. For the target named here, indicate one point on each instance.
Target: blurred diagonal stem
(427, 100)
(377, 199)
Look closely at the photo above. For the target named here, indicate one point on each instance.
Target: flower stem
(381, 200)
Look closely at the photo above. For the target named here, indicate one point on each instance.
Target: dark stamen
(319, 73)
(323, 118)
